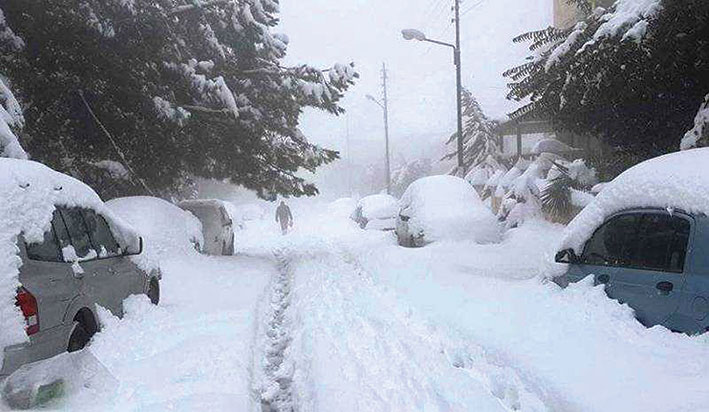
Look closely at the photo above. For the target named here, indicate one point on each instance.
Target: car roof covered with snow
(673, 181)
(448, 207)
(29, 192)
(165, 227)
(379, 206)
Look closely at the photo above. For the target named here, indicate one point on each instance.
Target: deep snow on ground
(461, 326)
(334, 318)
(192, 352)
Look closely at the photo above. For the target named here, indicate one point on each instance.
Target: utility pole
(459, 90)
(386, 125)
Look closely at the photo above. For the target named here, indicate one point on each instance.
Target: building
(566, 14)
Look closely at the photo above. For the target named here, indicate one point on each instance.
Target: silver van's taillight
(28, 305)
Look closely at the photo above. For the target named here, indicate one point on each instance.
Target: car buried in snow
(64, 254)
(376, 212)
(646, 240)
(443, 207)
(217, 225)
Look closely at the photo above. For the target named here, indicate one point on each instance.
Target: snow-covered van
(63, 254)
(646, 239)
(217, 225)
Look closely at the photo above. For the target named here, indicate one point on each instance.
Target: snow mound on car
(448, 208)
(166, 228)
(673, 181)
(381, 206)
(28, 193)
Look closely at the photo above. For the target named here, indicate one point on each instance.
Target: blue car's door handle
(665, 287)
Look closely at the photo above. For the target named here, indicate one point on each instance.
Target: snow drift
(448, 208)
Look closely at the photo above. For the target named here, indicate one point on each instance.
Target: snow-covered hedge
(29, 192)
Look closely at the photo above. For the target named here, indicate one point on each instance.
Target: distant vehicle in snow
(166, 227)
(636, 240)
(217, 225)
(444, 208)
(376, 212)
(74, 255)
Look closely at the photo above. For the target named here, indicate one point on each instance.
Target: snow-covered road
(333, 318)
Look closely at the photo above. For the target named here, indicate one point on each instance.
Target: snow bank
(381, 206)
(343, 207)
(166, 229)
(29, 192)
(677, 181)
(447, 207)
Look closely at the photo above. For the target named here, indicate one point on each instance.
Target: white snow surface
(677, 180)
(448, 207)
(349, 321)
(166, 229)
(379, 206)
(29, 192)
(629, 19)
(701, 127)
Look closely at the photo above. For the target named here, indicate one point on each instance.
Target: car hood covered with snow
(448, 208)
(165, 227)
(29, 192)
(676, 181)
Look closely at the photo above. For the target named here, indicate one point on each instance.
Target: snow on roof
(29, 192)
(379, 206)
(677, 180)
(447, 207)
(552, 146)
(165, 227)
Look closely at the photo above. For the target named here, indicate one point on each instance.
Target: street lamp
(413, 34)
(385, 109)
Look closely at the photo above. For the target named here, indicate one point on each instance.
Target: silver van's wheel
(78, 339)
(154, 291)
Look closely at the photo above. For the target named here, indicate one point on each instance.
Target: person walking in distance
(284, 217)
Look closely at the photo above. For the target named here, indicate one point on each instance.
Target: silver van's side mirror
(136, 248)
(567, 256)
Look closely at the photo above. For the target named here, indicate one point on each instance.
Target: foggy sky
(421, 76)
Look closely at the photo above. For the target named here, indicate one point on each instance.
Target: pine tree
(479, 138)
(170, 89)
(633, 80)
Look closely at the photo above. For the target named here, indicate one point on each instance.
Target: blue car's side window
(662, 243)
(614, 243)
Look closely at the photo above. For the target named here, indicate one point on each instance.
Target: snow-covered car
(217, 225)
(166, 228)
(443, 207)
(342, 207)
(376, 212)
(63, 253)
(646, 239)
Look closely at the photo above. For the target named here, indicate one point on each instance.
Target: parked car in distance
(376, 212)
(81, 260)
(168, 230)
(645, 238)
(217, 225)
(444, 207)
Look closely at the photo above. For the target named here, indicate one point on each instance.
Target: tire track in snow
(275, 388)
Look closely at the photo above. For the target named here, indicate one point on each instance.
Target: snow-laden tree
(479, 139)
(11, 118)
(408, 173)
(699, 134)
(632, 74)
(167, 90)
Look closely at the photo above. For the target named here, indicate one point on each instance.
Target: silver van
(217, 225)
(77, 266)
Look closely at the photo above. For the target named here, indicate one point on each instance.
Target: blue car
(655, 260)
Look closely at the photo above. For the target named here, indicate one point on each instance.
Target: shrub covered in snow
(166, 228)
(448, 208)
(29, 192)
